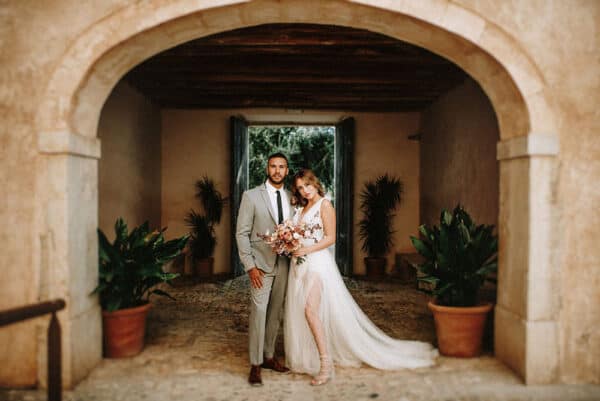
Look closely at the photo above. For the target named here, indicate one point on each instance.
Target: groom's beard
(273, 180)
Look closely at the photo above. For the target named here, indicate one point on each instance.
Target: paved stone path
(196, 350)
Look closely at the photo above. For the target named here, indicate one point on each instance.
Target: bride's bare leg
(311, 312)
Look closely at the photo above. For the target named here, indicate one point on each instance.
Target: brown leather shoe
(254, 379)
(275, 365)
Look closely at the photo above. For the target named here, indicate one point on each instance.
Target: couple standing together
(323, 325)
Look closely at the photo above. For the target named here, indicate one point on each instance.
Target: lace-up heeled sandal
(324, 374)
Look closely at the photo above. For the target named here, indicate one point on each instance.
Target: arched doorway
(99, 58)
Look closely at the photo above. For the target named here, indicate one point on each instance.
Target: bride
(323, 324)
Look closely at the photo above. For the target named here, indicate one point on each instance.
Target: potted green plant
(129, 269)
(459, 256)
(379, 199)
(203, 240)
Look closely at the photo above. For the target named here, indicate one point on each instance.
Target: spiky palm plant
(132, 265)
(202, 226)
(459, 257)
(202, 236)
(379, 199)
(211, 199)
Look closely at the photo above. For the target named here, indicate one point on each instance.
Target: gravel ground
(197, 350)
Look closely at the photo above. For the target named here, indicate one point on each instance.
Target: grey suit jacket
(256, 216)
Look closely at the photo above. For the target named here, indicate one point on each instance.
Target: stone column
(67, 216)
(526, 332)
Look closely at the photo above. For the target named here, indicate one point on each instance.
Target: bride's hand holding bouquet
(286, 239)
(302, 251)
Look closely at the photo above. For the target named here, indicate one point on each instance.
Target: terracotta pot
(375, 267)
(459, 330)
(124, 331)
(204, 268)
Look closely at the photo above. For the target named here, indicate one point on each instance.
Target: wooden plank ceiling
(296, 66)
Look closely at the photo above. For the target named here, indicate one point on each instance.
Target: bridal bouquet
(286, 239)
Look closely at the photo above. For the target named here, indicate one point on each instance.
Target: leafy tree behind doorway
(305, 146)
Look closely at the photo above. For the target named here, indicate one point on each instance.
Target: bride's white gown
(350, 335)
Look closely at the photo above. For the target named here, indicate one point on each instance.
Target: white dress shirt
(285, 202)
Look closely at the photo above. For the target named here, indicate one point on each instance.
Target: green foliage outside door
(305, 146)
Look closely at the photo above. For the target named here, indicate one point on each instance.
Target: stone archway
(67, 172)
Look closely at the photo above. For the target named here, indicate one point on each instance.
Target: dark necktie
(279, 208)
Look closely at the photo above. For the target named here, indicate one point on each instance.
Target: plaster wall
(459, 133)
(129, 170)
(382, 146)
(195, 142)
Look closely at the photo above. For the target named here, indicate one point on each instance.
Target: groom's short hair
(279, 155)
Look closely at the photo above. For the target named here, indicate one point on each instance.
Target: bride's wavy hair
(309, 177)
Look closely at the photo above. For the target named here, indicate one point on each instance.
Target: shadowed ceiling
(296, 66)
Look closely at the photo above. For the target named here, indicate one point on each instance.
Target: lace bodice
(311, 217)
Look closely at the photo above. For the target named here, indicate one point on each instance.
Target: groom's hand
(256, 276)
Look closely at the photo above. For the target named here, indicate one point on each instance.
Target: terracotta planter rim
(127, 311)
(462, 310)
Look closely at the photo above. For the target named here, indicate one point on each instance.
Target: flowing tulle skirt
(350, 335)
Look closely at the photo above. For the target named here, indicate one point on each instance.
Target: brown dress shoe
(275, 365)
(254, 379)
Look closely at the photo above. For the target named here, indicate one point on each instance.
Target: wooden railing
(54, 351)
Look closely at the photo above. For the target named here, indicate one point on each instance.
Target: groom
(260, 210)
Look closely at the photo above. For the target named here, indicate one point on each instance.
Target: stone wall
(34, 37)
(194, 144)
(129, 184)
(459, 133)
(563, 39)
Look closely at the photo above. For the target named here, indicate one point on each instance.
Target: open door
(239, 181)
(344, 193)
(344, 189)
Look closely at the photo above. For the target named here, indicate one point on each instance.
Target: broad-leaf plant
(459, 257)
(131, 266)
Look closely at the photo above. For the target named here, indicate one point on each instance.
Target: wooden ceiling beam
(296, 66)
(414, 83)
(270, 90)
(331, 67)
(290, 51)
(392, 106)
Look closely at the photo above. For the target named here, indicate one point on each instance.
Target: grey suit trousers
(255, 217)
(266, 312)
